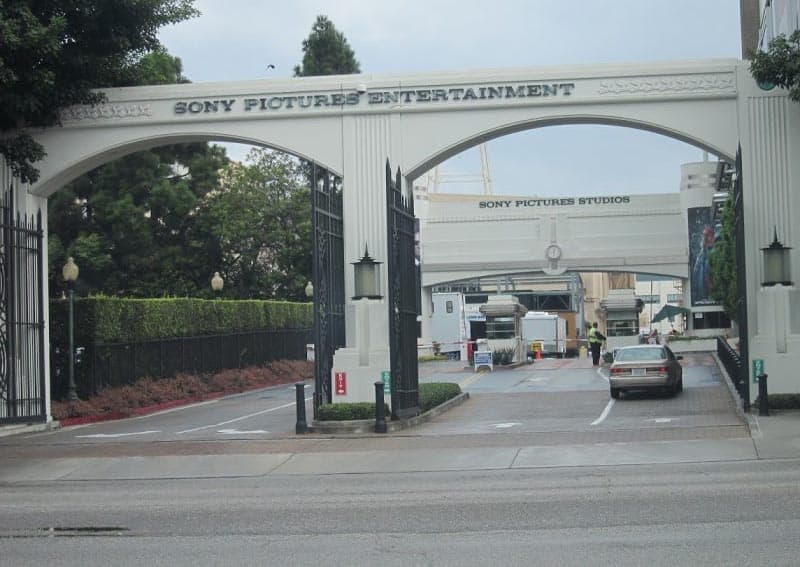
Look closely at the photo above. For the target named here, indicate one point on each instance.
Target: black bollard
(763, 397)
(300, 398)
(380, 409)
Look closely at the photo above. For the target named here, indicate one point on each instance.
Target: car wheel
(615, 393)
(680, 384)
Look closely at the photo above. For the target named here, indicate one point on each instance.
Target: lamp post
(778, 279)
(70, 274)
(217, 284)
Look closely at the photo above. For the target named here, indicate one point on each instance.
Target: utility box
(545, 328)
(449, 327)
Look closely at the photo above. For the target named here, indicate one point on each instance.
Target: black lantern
(367, 277)
(777, 269)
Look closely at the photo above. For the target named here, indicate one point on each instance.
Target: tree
(326, 52)
(132, 224)
(723, 264)
(261, 218)
(780, 64)
(52, 54)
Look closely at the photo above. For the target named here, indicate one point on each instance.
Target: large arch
(353, 123)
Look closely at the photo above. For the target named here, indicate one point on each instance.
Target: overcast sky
(235, 40)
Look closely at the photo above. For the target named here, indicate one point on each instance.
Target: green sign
(758, 369)
(386, 378)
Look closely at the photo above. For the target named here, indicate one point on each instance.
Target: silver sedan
(645, 367)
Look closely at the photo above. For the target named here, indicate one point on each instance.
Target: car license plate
(637, 371)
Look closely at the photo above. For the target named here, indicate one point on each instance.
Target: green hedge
(112, 320)
(431, 394)
(782, 401)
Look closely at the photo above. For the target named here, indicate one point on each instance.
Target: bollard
(763, 397)
(380, 409)
(300, 398)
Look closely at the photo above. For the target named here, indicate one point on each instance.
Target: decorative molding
(668, 85)
(105, 111)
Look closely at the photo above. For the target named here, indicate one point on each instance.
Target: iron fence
(736, 367)
(101, 365)
(22, 380)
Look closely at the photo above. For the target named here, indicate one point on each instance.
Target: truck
(450, 330)
(545, 328)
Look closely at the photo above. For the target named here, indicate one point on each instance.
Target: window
(711, 320)
(650, 298)
(500, 328)
(449, 306)
(674, 298)
(622, 328)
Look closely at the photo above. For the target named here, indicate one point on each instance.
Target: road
(538, 467)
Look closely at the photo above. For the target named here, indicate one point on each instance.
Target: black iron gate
(741, 284)
(22, 386)
(328, 278)
(404, 295)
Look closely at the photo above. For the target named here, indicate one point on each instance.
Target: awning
(669, 311)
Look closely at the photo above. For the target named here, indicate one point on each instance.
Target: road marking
(661, 420)
(603, 376)
(472, 379)
(237, 432)
(113, 435)
(604, 415)
(234, 420)
(504, 425)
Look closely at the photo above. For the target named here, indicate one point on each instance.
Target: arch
(561, 120)
(89, 162)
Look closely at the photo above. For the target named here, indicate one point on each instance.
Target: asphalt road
(691, 514)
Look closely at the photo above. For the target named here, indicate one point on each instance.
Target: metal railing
(736, 367)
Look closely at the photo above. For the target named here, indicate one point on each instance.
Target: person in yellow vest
(596, 339)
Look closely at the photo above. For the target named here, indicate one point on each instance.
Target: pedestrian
(596, 339)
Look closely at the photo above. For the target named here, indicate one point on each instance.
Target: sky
(236, 40)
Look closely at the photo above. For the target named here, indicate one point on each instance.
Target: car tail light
(661, 369)
(617, 370)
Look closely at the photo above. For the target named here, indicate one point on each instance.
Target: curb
(8, 430)
(368, 425)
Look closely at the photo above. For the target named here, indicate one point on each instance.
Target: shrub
(503, 356)
(348, 411)
(431, 358)
(608, 356)
(123, 401)
(432, 394)
(782, 401)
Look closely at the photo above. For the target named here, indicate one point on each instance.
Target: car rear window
(634, 354)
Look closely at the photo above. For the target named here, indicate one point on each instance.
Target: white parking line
(604, 415)
(603, 376)
(234, 420)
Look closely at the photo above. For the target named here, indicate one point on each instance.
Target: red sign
(341, 383)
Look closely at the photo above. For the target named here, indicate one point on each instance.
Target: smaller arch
(562, 120)
(45, 188)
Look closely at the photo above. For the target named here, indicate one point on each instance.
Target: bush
(608, 356)
(433, 394)
(782, 401)
(123, 401)
(503, 356)
(431, 357)
(430, 395)
(348, 411)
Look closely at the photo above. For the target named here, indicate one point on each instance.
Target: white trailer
(547, 328)
(449, 326)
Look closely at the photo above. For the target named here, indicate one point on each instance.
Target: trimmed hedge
(782, 401)
(431, 394)
(117, 320)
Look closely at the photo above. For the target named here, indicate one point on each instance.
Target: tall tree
(723, 264)
(780, 64)
(326, 52)
(53, 53)
(261, 218)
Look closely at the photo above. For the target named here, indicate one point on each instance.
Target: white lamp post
(367, 277)
(70, 274)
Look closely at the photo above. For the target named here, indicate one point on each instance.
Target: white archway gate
(351, 124)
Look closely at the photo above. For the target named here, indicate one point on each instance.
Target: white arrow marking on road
(662, 420)
(237, 432)
(112, 435)
(504, 425)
